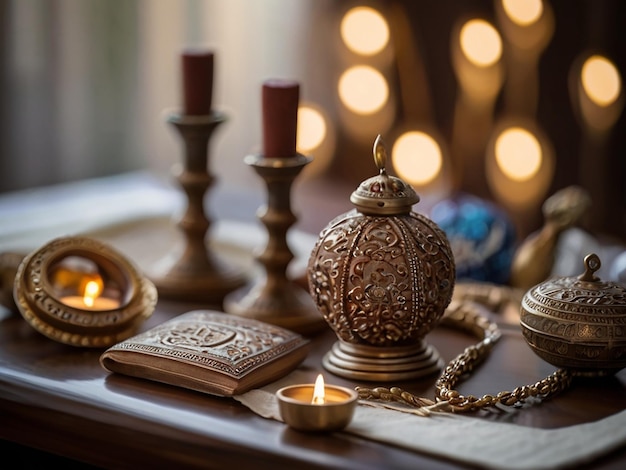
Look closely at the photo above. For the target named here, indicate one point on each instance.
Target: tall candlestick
(196, 273)
(197, 68)
(273, 297)
(280, 117)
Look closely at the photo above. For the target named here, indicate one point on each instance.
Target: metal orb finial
(383, 194)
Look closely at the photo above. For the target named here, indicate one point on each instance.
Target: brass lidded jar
(577, 323)
(382, 276)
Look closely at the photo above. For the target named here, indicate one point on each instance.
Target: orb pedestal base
(376, 364)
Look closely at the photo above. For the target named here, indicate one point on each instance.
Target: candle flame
(92, 290)
(318, 391)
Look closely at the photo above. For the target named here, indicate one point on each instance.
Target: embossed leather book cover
(209, 351)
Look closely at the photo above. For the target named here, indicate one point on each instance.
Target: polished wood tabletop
(59, 399)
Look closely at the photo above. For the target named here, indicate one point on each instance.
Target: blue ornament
(481, 235)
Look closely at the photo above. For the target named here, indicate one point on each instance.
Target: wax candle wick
(317, 400)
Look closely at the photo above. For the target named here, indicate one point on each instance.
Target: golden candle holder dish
(82, 292)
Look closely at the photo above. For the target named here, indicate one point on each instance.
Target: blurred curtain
(68, 90)
(84, 84)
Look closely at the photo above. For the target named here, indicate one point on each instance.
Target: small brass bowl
(577, 323)
(299, 413)
(82, 292)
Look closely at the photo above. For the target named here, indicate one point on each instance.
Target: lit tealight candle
(91, 299)
(316, 407)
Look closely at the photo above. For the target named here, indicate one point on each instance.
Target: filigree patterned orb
(578, 323)
(382, 277)
(381, 281)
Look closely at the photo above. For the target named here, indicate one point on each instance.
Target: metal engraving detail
(578, 323)
(230, 344)
(197, 337)
(381, 280)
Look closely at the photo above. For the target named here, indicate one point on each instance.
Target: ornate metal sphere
(382, 277)
(578, 323)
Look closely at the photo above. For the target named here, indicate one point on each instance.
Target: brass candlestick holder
(196, 273)
(274, 298)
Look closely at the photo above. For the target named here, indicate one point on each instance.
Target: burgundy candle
(280, 118)
(197, 81)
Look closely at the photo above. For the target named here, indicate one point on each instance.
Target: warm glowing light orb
(416, 157)
(311, 129)
(518, 154)
(481, 43)
(601, 80)
(364, 30)
(363, 89)
(523, 12)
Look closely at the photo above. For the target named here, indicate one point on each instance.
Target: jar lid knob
(592, 264)
(383, 194)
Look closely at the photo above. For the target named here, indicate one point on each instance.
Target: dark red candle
(280, 118)
(197, 81)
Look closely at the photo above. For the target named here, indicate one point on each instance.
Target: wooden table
(59, 399)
